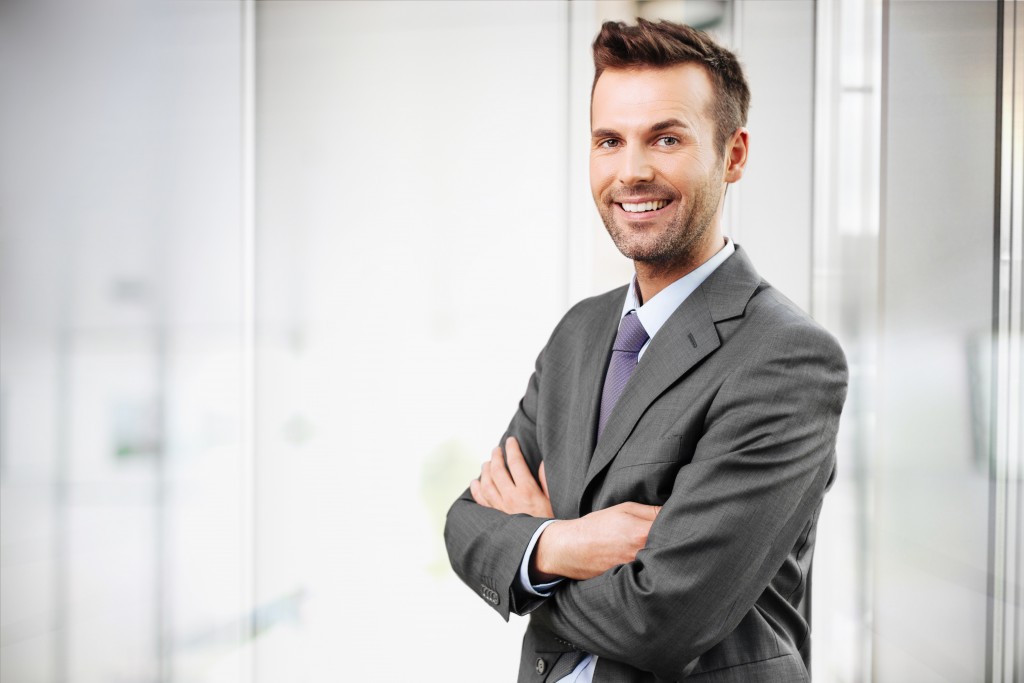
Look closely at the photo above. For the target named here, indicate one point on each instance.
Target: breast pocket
(645, 472)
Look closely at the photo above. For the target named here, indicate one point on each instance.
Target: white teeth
(646, 206)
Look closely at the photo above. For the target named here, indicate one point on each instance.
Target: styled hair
(664, 44)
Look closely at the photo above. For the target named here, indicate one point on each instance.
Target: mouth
(645, 209)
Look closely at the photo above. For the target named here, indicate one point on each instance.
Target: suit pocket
(644, 473)
(637, 453)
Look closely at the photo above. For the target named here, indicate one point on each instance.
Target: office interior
(274, 274)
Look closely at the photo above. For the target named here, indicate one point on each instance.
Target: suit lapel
(583, 427)
(687, 337)
(670, 355)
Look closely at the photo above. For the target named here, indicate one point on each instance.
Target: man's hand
(574, 549)
(512, 490)
(591, 545)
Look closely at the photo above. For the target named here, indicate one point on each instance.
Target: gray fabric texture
(729, 422)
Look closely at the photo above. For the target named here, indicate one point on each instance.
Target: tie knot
(632, 336)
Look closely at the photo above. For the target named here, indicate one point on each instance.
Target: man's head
(650, 45)
(664, 143)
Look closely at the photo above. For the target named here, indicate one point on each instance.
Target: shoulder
(780, 323)
(749, 308)
(778, 350)
(592, 312)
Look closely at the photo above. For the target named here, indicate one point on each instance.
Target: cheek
(686, 179)
(699, 167)
(601, 176)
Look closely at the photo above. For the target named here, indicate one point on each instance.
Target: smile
(644, 206)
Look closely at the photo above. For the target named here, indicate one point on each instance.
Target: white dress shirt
(653, 315)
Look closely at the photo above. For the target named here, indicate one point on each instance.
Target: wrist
(544, 566)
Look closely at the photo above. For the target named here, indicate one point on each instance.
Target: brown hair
(664, 44)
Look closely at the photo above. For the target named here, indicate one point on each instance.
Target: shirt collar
(654, 313)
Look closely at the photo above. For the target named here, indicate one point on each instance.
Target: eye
(610, 143)
(668, 141)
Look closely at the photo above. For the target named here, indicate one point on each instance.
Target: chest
(643, 469)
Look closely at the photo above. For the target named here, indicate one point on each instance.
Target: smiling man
(653, 503)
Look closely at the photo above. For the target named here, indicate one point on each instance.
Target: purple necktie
(625, 354)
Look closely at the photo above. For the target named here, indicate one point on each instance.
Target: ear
(736, 155)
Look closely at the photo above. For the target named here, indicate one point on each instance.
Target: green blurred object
(446, 472)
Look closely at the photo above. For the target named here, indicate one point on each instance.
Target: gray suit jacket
(729, 423)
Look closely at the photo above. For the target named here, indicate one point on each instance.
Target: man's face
(655, 174)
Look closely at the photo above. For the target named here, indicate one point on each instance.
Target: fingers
(517, 463)
(477, 493)
(544, 481)
(483, 488)
(499, 473)
(510, 488)
(646, 512)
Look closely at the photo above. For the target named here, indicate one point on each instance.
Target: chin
(640, 247)
(643, 253)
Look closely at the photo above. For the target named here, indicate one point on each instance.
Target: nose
(636, 167)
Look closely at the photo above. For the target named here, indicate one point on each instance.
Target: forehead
(635, 97)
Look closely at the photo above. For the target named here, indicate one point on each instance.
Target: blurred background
(273, 276)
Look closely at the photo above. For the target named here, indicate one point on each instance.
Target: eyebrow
(656, 128)
(668, 123)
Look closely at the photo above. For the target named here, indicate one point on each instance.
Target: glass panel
(411, 241)
(119, 359)
(932, 505)
(845, 299)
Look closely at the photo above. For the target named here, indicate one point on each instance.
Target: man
(653, 507)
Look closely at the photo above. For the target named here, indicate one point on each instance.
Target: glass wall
(120, 390)
(273, 276)
(411, 175)
(932, 466)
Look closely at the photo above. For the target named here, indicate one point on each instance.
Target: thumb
(544, 481)
(647, 512)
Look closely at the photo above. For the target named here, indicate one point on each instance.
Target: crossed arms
(571, 548)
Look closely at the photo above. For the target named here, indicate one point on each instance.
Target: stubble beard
(680, 243)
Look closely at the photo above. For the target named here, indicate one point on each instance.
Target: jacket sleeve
(486, 546)
(756, 478)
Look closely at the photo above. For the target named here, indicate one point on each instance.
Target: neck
(654, 277)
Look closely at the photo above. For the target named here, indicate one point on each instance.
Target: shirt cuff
(542, 590)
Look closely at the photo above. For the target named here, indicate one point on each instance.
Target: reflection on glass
(392, 154)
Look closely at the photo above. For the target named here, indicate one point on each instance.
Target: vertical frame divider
(1007, 505)
(247, 461)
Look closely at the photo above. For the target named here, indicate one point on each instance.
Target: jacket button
(490, 595)
(541, 665)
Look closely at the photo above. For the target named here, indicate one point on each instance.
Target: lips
(642, 207)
